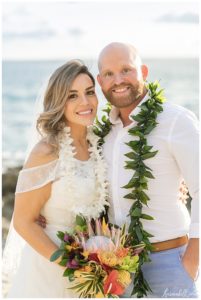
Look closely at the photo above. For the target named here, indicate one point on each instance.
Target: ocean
(22, 82)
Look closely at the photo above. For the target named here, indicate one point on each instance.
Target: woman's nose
(84, 99)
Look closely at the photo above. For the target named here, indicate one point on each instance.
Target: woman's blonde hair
(51, 121)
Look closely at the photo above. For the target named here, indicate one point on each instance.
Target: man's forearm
(190, 258)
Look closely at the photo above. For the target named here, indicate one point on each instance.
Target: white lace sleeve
(37, 177)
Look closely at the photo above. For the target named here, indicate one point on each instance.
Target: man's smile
(121, 90)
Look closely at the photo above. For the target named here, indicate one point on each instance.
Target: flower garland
(68, 165)
(140, 151)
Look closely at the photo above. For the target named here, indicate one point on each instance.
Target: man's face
(120, 78)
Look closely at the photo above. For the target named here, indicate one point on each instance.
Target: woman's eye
(72, 96)
(91, 92)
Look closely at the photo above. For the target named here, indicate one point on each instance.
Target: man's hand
(190, 259)
(41, 221)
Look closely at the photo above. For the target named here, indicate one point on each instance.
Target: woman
(63, 176)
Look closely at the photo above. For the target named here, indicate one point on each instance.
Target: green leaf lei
(140, 151)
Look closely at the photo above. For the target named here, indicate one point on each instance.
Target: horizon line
(93, 58)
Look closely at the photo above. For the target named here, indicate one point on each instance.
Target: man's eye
(72, 96)
(108, 74)
(126, 70)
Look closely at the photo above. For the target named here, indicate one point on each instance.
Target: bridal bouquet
(98, 258)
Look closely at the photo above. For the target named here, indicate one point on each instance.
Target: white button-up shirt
(176, 138)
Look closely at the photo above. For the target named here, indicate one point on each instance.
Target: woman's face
(81, 105)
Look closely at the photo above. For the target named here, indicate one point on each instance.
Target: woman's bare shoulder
(41, 154)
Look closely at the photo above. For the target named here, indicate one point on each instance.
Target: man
(173, 268)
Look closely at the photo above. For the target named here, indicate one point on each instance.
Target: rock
(9, 180)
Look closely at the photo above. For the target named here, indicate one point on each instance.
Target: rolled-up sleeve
(184, 144)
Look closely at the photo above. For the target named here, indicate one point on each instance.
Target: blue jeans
(166, 276)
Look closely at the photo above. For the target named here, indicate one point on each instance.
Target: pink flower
(72, 264)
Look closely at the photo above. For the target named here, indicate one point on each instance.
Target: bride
(63, 176)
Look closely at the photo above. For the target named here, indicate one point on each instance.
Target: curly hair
(51, 121)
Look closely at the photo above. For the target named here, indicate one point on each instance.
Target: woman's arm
(29, 204)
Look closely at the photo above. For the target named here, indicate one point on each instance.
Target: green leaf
(149, 155)
(136, 133)
(138, 233)
(137, 212)
(158, 108)
(130, 165)
(146, 148)
(138, 118)
(56, 255)
(147, 234)
(130, 196)
(96, 130)
(149, 128)
(146, 217)
(134, 145)
(148, 174)
(144, 107)
(104, 119)
(131, 155)
(143, 197)
(68, 272)
(80, 220)
(131, 183)
(60, 235)
(143, 180)
(63, 262)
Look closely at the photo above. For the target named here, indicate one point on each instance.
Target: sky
(80, 29)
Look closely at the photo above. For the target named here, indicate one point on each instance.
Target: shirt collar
(114, 113)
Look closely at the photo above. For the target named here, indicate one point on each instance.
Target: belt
(170, 244)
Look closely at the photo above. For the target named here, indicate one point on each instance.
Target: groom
(174, 262)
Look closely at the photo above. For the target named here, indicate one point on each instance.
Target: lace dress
(77, 187)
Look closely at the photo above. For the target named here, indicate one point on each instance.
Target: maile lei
(140, 151)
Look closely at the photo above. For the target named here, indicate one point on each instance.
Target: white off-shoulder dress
(77, 187)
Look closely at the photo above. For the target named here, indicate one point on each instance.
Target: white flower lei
(68, 163)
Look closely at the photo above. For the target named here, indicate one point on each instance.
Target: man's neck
(125, 112)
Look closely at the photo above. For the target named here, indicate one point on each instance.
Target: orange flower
(121, 252)
(108, 258)
(87, 269)
(111, 284)
(74, 245)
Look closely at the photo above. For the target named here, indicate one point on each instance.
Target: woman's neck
(78, 133)
(79, 136)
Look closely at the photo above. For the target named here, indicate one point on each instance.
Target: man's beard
(133, 96)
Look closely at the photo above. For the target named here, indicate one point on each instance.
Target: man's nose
(118, 79)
